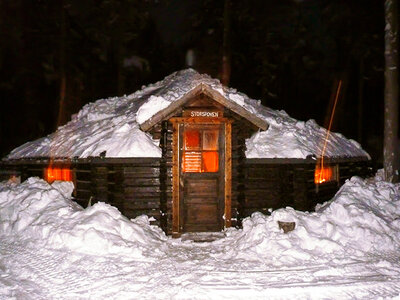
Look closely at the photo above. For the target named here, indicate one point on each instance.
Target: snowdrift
(42, 212)
(363, 218)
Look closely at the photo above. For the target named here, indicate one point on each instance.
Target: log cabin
(194, 155)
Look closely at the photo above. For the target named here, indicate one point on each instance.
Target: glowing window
(200, 153)
(325, 174)
(210, 161)
(57, 173)
(192, 140)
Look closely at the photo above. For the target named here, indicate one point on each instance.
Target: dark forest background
(56, 56)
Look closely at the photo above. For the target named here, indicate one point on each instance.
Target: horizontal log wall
(239, 134)
(269, 184)
(164, 131)
(133, 185)
(143, 185)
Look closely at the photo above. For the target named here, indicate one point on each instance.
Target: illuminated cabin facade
(203, 180)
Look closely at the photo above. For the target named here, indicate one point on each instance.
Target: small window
(191, 161)
(192, 140)
(210, 140)
(200, 153)
(210, 161)
(325, 173)
(57, 173)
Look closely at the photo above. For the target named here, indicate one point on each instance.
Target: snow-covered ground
(50, 248)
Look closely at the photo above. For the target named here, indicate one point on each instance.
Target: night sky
(289, 54)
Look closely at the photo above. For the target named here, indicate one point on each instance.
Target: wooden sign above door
(202, 113)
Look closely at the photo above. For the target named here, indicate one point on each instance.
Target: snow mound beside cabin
(362, 218)
(43, 213)
(112, 125)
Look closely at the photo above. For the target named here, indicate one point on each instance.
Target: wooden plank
(142, 170)
(199, 111)
(139, 190)
(201, 187)
(175, 181)
(83, 195)
(142, 205)
(140, 181)
(309, 160)
(228, 175)
(139, 161)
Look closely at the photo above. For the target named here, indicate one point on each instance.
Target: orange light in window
(192, 139)
(66, 174)
(51, 174)
(323, 174)
(210, 161)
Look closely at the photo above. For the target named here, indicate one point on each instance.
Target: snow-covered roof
(114, 125)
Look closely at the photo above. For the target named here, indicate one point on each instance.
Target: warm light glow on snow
(323, 174)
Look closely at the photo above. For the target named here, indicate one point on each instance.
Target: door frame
(177, 122)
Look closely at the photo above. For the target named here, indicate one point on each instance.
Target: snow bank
(112, 125)
(45, 213)
(363, 217)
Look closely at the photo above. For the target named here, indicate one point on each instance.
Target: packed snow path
(187, 271)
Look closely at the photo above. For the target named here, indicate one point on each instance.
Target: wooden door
(201, 177)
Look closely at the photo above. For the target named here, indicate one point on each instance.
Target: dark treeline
(56, 56)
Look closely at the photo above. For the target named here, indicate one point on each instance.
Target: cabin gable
(177, 105)
(182, 206)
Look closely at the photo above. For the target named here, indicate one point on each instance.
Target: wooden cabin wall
(267, 186)
(133, 185)
(270, 185)
(138, 192)
(83, 185)
(164, 132)
(239, 134)
(139, 186)
(347, 170)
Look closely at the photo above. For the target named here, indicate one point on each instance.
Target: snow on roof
(113, 125)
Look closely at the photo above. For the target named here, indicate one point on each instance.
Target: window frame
(200, 150)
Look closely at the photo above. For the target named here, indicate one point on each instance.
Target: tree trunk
(360, 101)
(391, 158)
(61, 118)
(226, 55)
